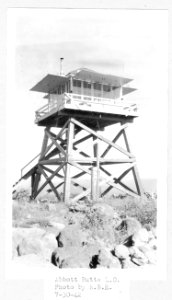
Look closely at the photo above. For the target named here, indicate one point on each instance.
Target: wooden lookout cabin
(79, 106)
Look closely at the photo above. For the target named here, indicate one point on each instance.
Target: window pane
(106, 88)
(97, 86)
(77, 83)
(87, 85)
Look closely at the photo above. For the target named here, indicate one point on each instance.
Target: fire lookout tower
(79, 106)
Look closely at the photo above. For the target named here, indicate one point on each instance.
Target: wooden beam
(96, 116)
(94, 180)
(35, 184)
(125, 139)
(91, 160)
(78, 166)
(105, 171)
(67, 185)
(48, 181)
(96, 156)
(107, 190)
(62, 131)
(114, 140)
(55, 161)
(46, 150)
(63, 166)
(102, 138)
(76, 142)
(80, 152)
(117, 180)
(78, 175)
(75, 183)
(87, 192)
(52, 172)
(57, 186)
(44, 144)
(127, 188)
(54, 152)
(137, 181)
(56, 144)
(134, 169)
(125, 172)
(81, 195)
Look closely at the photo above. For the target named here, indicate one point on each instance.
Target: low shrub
(21, 195)
(144, 210)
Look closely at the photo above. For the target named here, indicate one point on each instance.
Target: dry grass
(31, 212)
(144, 210)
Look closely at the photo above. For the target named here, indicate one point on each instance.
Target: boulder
(140, 237)
(153, 244)
(127, 264)
(151, 256)
(33, 241)
(88, 256)
(72, 257)
(129, 226)
(49, 244)
(154, 231)
(121, 252)
(29, 246)
(22, 234)
(106, 260)
(77, 259)
(149, 253)
(72, 235)
(32, 260)
(137, 256)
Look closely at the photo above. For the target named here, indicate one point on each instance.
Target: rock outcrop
(92, 236)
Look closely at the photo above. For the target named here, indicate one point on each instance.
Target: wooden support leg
(36, 176)
(134, 169)
(137, 181)
(94, 183)
(95, 171)
(32, 184)
(67, 185)
(35, 183)
(44, 144)
(50, 182)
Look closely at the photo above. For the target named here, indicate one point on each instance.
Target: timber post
(67, 182)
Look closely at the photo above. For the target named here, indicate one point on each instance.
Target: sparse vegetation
(21, 196)
(144, 210)
(90, 229)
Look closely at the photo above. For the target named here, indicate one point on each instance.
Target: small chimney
(61, 69)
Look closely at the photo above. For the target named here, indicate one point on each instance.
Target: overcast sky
(130, 43)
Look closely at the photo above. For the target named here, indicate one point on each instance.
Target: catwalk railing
(87, 103)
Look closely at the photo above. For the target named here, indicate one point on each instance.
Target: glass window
(61, 89)
(106, 88)
(97, 86)
(76, 83)
(87, 85)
